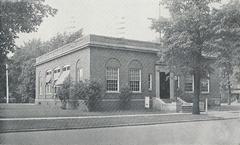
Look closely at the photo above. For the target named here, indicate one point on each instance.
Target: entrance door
(164, 85)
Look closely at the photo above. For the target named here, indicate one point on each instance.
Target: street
(221, 132)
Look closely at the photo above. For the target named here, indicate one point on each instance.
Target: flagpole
(7, 88)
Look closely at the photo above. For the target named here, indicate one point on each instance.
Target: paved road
(220, 132)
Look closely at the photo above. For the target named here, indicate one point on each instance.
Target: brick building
(115, 63)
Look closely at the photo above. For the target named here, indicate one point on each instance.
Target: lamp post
(7, 88)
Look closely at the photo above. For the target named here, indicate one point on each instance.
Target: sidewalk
(225, 114)
(85, 122)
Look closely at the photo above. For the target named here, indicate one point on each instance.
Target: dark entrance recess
(164, 85)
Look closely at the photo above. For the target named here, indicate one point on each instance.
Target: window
(135, 80)
(49, 72)
(67, 67)
(150, 82)
(40, 86)
(56, 73)
(80, 74)
(57, 70)
(48, 88)
(48, 78)
(112, 78)
(177, 82)
(204, 85)
(189, 82)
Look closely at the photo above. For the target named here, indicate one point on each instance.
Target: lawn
(32, 110)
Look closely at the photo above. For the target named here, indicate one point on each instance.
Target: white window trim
(208, 91)
(140, 83)
(178, 84)
(48, 89)
(192, 86)
(117, 86)
(203, 92)
(150, 82)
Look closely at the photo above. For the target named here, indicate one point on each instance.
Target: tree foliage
(15, 17)
(196, 30)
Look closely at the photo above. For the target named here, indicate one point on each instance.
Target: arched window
(48, 80)
(79, 71)
(134, 76)
(40, 83)
(112, 75)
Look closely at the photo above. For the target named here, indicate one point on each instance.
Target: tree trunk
(195, 109)
(197, 77)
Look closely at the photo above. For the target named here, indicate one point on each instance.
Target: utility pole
(7, 88)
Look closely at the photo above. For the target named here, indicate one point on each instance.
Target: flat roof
(99, 42)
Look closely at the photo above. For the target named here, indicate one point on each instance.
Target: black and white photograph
(119, 72)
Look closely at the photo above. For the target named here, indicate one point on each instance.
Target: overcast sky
(102, 17)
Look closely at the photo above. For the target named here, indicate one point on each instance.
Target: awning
(48, 79)
(56, 76)
(62, 77)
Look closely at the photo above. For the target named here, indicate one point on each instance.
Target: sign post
(206, 107)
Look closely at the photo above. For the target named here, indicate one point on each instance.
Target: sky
(102, 17)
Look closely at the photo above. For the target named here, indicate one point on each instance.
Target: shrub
(125, 98)
(93, 95)
(64, 93)
(89, 91)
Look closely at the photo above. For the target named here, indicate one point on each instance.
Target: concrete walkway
(84, 122)
(225, 114)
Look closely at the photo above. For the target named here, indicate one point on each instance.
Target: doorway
(164, 85)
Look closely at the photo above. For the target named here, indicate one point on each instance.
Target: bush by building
(89, 91)
(63, 93)
(125, 98)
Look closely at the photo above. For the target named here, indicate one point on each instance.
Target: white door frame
(158, 69)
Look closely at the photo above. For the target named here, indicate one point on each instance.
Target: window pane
(80, 74)
(134, 79)
(134, 85)
(149, 81)
(112, 79)
(189, 83)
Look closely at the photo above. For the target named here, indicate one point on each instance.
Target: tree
(225, 25)
(192, 33)
(18, 16)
